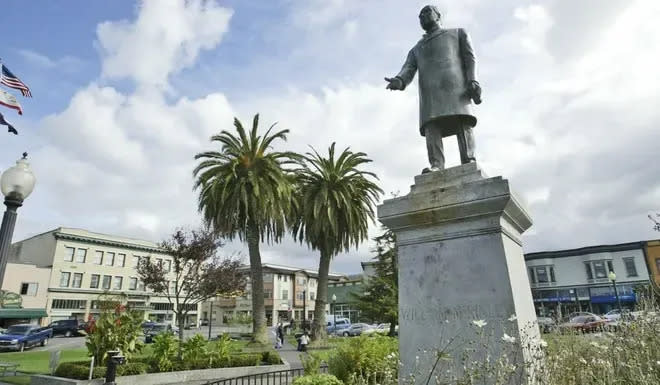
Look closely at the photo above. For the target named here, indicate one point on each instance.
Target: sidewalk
(288, 352)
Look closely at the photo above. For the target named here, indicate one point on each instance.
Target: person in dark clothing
(280, 334)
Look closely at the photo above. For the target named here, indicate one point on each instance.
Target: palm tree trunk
(319, 324)
(259, 334)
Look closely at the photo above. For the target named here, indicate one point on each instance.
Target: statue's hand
(394, 83)
(474, 91)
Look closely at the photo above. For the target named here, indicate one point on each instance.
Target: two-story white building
(577, 280)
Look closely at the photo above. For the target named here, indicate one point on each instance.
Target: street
(63, 343)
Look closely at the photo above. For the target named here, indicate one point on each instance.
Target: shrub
(116, 328)
(311, 363)
(270, 357)
(132, 369)
(164, 352)
(220, 351)
(364, 357)
(318, 379)
(78, 371)
(245, 360)
(194, 349)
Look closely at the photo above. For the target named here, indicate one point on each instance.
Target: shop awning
(22, 313)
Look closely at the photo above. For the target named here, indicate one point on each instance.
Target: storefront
(12, 311)
(558, 303)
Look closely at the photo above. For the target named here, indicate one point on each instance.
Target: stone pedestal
(460, 260)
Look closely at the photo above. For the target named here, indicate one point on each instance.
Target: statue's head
(429, 17)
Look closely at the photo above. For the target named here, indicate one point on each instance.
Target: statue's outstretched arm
(405, 76)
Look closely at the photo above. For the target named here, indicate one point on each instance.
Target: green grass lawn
(37, 362)
(18, 380)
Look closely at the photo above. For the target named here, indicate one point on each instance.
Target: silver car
(357, 329)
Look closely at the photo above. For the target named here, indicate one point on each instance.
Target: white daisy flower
(479, 323)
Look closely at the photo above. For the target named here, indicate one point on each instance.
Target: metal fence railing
(280, 377)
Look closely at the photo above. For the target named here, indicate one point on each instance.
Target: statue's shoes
(427, 170)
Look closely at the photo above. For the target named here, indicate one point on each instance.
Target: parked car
(615, 315)
(383, 329)
(546, 324)
(584, 324)
(22, 336)
(337, 325)
(157, 329)
(357, 329)
(67, 327)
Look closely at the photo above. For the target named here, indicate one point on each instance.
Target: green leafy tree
(380, 299)
(334, 206)
(245, 190)
(197, 275)
(118, 327)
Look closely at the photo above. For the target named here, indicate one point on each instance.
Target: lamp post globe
(16, 184)
(612, 276)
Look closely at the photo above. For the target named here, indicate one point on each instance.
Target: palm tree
(335, 203)
(245, 191)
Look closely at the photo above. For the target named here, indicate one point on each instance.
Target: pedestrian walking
(304, 340)
(280, 334)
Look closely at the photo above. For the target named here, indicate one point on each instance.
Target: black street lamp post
(334, 315)
(304, 325)
(16, 184)
(612, 278)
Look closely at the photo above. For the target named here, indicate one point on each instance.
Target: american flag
(10, 80)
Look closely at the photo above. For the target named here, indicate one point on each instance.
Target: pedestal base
(460, 265)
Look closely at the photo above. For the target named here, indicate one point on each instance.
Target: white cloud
(167, 37)
(65, 63)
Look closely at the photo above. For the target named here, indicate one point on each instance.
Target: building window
(302, 281)
(107, 279)
(599, 269)
(312, 296)
(69, 304)
(173, 287)
(64, 279)
(109, 258)
(312, 282)
(285, 294)
(168, 265)
(285, 278)
(268, 277)
(68, 256)
(657, 265)
(132, 283)
(121, 260)
(590, 274)
(279, 277)
(631, 269)
(140, 286)
(81, 255)
(117, 283)
(29, 288)
(300, 295)
(136, 261)
(94, 282)
(268, 294)
(610, 267)
(77, 280)
(542, 274)
(98, 257)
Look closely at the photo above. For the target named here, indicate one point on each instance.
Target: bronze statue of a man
(447, 86)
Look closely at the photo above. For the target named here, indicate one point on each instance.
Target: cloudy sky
(126, 93)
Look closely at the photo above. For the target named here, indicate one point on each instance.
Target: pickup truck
(67, 327)
(22, 336)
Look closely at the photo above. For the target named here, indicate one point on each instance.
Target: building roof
(585, 250)
(293, 269)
